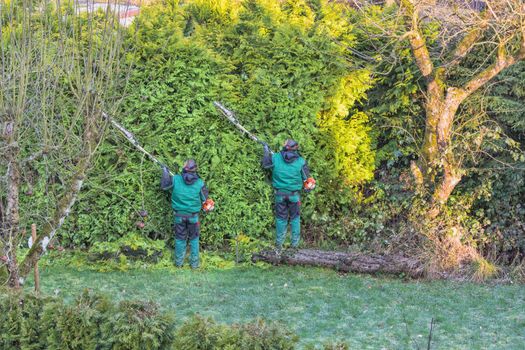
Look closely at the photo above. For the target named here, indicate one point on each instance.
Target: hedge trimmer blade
(231, 117)
(131, 138)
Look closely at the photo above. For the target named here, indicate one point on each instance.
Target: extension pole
(37, 274)
(233, 119)
(131, 138)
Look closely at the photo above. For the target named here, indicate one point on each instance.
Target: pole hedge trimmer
(231, 117)
(207, 206)
(131, 138)
(309, 184)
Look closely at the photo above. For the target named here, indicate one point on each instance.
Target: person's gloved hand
(309, 184)
(265, 147)
(208, 205)
(166, 181)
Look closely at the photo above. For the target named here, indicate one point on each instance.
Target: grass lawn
(320, 305)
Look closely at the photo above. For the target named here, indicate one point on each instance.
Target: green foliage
(201, 333)
(19, 322)
(497, 179)
(242, 247)
(133, 246)
(330, 346)
(394, 108)
(139, 325)
(259, 335)
(110, 257)
(93, 322)
(278, 66)
(76, 326)
(395, 102)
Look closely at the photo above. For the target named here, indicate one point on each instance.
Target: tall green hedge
(284, 67)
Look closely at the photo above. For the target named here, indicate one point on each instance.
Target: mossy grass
(321, 305)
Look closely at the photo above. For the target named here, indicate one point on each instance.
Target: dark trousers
(287, 208)
(187, 227)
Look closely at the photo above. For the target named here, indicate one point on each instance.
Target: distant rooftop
(125, 11)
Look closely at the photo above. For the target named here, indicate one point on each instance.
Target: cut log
(345, 262)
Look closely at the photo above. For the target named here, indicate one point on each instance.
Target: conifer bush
(93, 322)
(200, 333)
(90, 322)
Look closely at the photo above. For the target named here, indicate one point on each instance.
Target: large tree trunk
(10, 227)
(436, 169)
(91, 138)
(441, 111)
(345, 262)
(433, 110)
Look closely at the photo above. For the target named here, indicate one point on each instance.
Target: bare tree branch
(59, 71)
(38, 154)
(502, 61)
(469, 41)
(417, 41)
(91, 140)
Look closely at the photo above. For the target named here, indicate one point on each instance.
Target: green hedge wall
(284, 67)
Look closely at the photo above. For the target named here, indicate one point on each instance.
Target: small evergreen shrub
(139, 325)
(133, 246)
(92, 321)
(201, 333)
(261, 335)
(20, 321)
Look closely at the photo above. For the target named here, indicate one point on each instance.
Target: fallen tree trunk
(345, 262)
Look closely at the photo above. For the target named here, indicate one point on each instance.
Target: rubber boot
(295, 225)
(194, 253)
(180, 252)
(281, 226)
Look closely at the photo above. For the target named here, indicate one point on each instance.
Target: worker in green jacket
(290, 174)
(188, 196)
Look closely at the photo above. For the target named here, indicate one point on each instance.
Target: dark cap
(291, 145)
(190, 166)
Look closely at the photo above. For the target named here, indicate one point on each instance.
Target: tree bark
(451, 178)
(446, 112)
(10, 228)
(345, 262)
(442, 102)
(91, 138)
(433, 110)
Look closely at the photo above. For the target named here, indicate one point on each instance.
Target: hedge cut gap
(345, 261)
